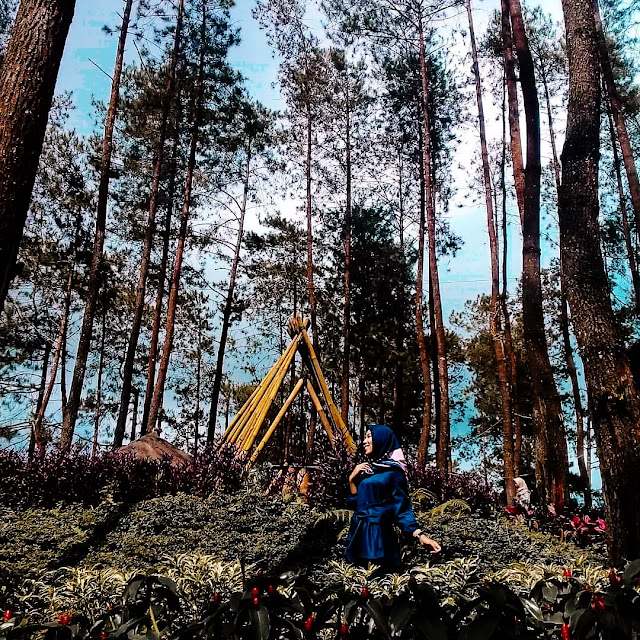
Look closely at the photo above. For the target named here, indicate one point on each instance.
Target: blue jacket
(382, 501)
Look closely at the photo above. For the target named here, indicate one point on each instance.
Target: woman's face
(368, 443)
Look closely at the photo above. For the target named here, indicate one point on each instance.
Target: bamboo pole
(257, 418)
(275, 423)
(319, 409)
(244, 415)
(238, 423)
(317, 373)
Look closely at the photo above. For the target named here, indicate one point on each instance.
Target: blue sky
(88, 48)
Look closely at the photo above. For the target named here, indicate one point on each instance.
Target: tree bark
(514, 111)
(226, 314)
(626, 232)
(162, 275)
(158, 392)
(425, 360)
(443, 453)
(27, 82)
(196, 427)
(618, 117)
(37, 427)
(346, 322)
(575, 388)
(398, 386)
(93, 288)
(564, 318)
(98, 410)
(495, 320)
(612, 392)
(127, 377)
(552, 466)
(35, 436)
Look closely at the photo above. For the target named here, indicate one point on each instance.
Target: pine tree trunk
(612, 392)
(310, 285)
(63, 374)
(98, 410)
(398, 386)
(346, 322)
(37, 427)
(59, 352)
(35, 436)
(508, 340)
(626, 232)
(150, 226)
(564, 320)
(552, 466)
(514, 111)
(196, 428)
(27, 81)
(618, 117)
(425, 360)
(93, 288)
(158, 392)
(575, 388)
(226, 315)
(162, 275)
(134, 413)
(495, 321)
(443, 453)
(362, 391)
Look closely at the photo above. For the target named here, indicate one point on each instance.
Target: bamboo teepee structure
(247, 425)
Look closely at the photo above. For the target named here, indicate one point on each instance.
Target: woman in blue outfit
(380, 489)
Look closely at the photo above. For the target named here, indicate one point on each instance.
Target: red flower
(576, 521)
(216, 598)
(598, 603)
(65, 618)
(103, 635)
(412, 581)
(365, 592)
(256, 601)
(567, 573)
(255, 592)
(614, 579)
(344, 629)
(565, 630)
(271, 589)
(308, 623)
(8, 614)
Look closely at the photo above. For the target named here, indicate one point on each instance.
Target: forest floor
(53, 558)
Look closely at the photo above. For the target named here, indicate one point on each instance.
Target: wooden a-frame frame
(244, 429)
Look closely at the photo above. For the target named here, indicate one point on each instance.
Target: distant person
(382, 501)
(523, 495)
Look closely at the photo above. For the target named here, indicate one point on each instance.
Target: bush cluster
(77, 477)
(328, 486)
(290, 606)
(582, 529)
(265, 530)
(466, 486)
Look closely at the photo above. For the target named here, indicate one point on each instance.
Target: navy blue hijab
(384, 442)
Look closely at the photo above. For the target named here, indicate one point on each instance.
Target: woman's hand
(363, 466)
(426, 542)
